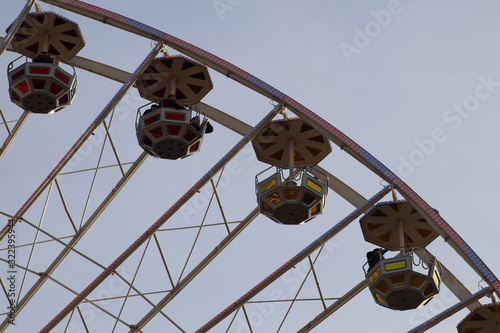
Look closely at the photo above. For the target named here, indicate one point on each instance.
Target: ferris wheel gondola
(168, 131)
(400, 283)
(299, 196)
(171, 130)
(42, 86)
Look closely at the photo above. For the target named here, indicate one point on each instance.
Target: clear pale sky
(415, 83)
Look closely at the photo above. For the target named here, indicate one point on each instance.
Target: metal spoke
(160, 251)
(83, 319)
(93, 169)
(5, 122)
(317, 280)
(13, 133)
(220, 205)
(38, 228)
(247, 319)
(200, 227)
(131, 283)
(92, 183)
(111, 142)
(61, 196)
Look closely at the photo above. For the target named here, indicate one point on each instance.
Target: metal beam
(13, 133)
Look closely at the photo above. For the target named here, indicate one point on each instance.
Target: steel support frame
(336, 136)
(76, 238)
(13, 133)
(457, 243)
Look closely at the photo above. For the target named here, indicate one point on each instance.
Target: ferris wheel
(167, 214)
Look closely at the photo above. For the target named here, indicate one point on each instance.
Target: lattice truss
(113, 240)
